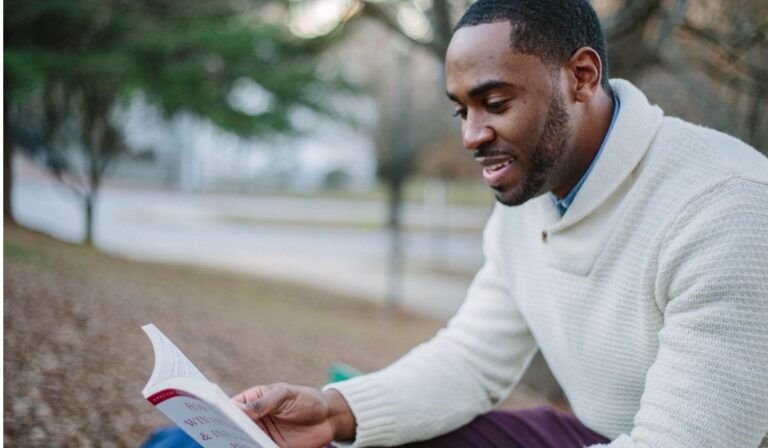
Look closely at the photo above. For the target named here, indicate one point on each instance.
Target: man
(629, 247)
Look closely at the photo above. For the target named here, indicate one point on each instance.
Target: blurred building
(190, 153)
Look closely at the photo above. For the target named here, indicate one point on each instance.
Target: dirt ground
(75, 358)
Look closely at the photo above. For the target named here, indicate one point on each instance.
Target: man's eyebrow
(482, 88)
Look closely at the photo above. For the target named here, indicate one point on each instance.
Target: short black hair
(551, 29)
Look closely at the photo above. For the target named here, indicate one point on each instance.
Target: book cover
(199, 407)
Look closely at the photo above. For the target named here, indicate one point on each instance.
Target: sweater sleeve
(708, 385)
(460, 373)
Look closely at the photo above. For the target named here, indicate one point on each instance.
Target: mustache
(487, 151)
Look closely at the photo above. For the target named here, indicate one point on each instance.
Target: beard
(543, 164)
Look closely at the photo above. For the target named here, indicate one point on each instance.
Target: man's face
(513, 115)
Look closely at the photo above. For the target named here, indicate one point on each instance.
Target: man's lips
(494, 163)
(495, 167)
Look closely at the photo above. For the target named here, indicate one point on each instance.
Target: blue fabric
(563, 204)
(170, 437)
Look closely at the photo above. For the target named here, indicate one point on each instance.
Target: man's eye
(494, 105)
(460, 113)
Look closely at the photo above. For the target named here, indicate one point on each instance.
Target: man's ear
(585, 72)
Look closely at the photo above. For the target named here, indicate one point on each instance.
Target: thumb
(268, 404)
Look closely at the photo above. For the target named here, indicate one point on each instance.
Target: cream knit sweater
(648, 298)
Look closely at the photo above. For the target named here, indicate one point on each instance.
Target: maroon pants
(541, 427)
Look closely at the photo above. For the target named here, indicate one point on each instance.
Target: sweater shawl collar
(634, 130)
(576, 239)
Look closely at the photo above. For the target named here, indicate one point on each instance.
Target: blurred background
(278, 185)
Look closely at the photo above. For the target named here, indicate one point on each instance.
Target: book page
(169, 360)
(211, 425)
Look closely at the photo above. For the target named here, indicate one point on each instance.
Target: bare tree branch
(747, 86)
(671, 22)
(635, 14)
(75, 186)
(441, 24)
(733, 51)
(756, 37)
(731, 55)
(378, 13)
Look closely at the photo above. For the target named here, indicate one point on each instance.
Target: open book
(196, 405)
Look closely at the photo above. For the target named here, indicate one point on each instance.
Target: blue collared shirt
(563, 204)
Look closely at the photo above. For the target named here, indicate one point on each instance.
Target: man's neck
(589, 138)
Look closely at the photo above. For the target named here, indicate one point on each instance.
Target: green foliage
(181, 55)
(69, 63)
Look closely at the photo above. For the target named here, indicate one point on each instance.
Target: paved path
(287, 238)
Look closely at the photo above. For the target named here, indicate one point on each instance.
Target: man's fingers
(268, 403)
(240, 400)
(256, 407)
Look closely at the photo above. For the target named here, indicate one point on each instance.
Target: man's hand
(297, 416)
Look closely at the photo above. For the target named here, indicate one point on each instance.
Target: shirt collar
(563, 204)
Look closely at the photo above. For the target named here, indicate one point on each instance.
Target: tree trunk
(395, 282)
(441, 24)
(7, 167)
(88, 202)
(398, 172)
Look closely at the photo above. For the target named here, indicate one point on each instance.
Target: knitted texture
(648, 298)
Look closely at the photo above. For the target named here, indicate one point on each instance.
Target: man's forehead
(483, 53)
(488, 40)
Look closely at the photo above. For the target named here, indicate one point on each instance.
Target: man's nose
(476, 132)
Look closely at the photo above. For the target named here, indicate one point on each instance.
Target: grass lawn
(76, 359)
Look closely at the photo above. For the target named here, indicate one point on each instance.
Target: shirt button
(544, 236)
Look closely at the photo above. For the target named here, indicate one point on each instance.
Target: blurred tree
(71, 64)
(718, 53)
(7, 161)
(434, 30)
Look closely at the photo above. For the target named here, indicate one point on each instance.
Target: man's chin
(518, 195)
(510, 199)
